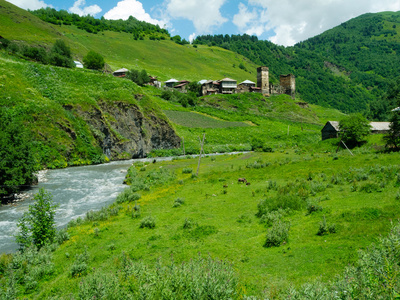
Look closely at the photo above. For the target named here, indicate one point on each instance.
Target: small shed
(121, 72)
(330, 130)
(379, 127)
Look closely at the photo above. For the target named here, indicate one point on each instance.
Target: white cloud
(29, 4)
(127, 8)
(192, 37)
(205, 15)
(80, 9)
(294, 21)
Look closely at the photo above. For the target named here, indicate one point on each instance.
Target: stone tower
(288, 84)
(263, 79)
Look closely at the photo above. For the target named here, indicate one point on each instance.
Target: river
(76, 190)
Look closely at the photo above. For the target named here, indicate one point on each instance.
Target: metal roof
(228, 79)
(247, 82)
(121, 70)
(171, 80)
(379, 126)
(396, 109)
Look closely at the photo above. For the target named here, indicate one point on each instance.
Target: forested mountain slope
(348, 67)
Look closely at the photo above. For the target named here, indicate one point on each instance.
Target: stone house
(210, 87)
(182, 86)
(247, 86)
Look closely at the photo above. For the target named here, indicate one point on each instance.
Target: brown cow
(242, 180)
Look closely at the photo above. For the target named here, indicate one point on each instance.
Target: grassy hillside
(247, 121)
(164, 58)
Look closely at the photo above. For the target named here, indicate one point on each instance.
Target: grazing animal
(242, 180)
(247, 183)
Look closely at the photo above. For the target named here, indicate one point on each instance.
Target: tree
(94, 61)
(60, 55)
(354, 129)
(139, 77)
(393, 136)
(37, 226)
(17, 163)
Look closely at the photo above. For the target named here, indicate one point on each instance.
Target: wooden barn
(330, 130)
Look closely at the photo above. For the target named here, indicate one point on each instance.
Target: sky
(283, 22)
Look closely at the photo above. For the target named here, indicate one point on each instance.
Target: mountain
(348, 67)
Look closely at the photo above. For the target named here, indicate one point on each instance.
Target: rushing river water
(76, 190)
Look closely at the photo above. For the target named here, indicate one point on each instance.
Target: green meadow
(168, 215)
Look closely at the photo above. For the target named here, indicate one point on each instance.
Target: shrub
(178, 202)
(79, 267)
(37, 225)
(325, 228)
(272, 217)
(278, 234)
(189, 223)
(187, 171)
(148, 222)
(101, 286)
(62, 236)
(60, 55)
(93, 60)
(313, 206)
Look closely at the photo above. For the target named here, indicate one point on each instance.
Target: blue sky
(284, 22)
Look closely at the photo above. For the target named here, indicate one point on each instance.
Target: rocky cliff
(122, 128)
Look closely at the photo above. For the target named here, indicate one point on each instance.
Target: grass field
(358, 194)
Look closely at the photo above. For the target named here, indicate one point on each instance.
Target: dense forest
(348, 67)
(93, 25)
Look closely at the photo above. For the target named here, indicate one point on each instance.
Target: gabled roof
(172, 80)
(379, 126)
(247, 82)
(334, 124)
(123, 70)
(228, 79)
(203, 81)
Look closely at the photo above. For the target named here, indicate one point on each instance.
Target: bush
(313, 206)
(278, 234)
(101, 286)
(189, 223)
(94, 61)
(60, 55)
(178, 202)
(148, 222)
(354, 128)
(187, 171)
(325, 228)
(37, 225)
(80, 267)
(139, 77)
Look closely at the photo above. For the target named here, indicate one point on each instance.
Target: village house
(182, 86)
(171, 83)
(210, 87)
(331, 129)
(121, 72)
(247, 86)
(228, 86)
